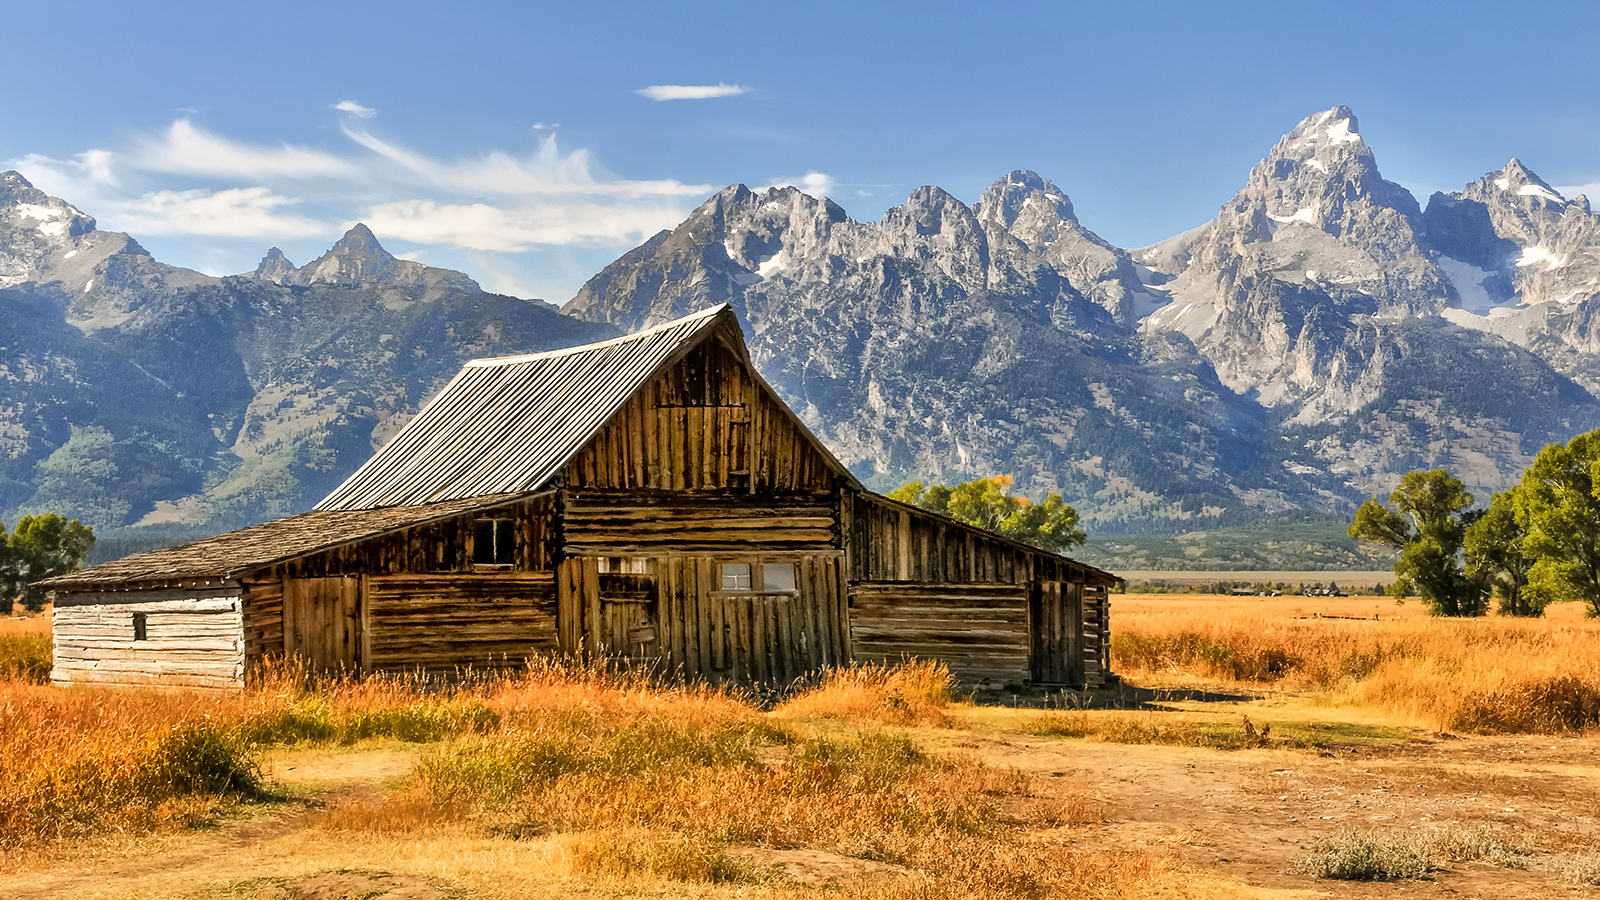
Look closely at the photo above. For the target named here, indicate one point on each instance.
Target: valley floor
(1228, 822)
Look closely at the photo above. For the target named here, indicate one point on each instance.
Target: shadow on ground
(1119, 695)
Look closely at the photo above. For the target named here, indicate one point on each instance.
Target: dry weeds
(1486, 676)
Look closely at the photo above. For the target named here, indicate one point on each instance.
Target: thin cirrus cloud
(185, 148)
(496, 202)
(659, 92)
(481, 226)
(355, 109)
(547, 171)
(236, 212)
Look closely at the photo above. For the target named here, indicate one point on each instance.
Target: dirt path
(1249, 813)
(315, 780)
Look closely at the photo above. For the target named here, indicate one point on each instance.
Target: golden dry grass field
(1250, 751)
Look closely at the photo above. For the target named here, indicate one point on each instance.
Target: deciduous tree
(1497, 556)
(1050, 524)
(1428, 525)
(43, 547)
(1558, 506)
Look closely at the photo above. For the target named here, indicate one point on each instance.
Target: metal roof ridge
(492, 361)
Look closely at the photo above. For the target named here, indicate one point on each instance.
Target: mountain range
(1322, 335)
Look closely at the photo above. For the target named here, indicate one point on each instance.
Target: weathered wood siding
(595, 522)
(323, 622)
(1056, 610)
(447, 622)
(190, 638)
(440, 546)
(979, 630)
(704, 424)
(922, 585)
(699, 631)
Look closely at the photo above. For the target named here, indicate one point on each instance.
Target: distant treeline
(1256, 588)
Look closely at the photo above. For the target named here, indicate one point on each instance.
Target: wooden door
(322, 623)
(629, 631)
(1055, 624)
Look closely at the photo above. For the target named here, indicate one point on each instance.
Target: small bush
(1368, 856)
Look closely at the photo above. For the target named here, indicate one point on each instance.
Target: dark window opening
(495, 543)
(140, 627)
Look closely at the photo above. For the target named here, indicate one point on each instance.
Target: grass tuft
(914, 693)
(1368, 856)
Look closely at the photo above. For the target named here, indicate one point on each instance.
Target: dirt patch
(342, 885)
(816, 867)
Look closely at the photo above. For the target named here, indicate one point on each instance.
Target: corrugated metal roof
(239, 552)
(509, 424)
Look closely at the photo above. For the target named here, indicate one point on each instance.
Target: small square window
(736, 576)
(777, 577)
(494, 542)
(141, 627)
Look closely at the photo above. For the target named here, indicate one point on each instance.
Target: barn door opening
(629, 623)
(322, 623)
(1055, 623)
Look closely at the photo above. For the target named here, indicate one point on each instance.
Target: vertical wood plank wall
(705, 633)
(704, 424)
(922, 585)
(192, 638)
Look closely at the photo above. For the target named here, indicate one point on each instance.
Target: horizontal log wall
(702, 632)
(704, 424)
(197, 640)
(442, 623)
(440, 546)
(597, 522)
(979, 630)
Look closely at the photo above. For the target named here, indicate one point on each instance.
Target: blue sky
(520, 143)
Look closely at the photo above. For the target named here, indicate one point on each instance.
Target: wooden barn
(648, 500)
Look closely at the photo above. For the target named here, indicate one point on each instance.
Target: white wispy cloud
(816, 184)
(186, 149)
(513, 229)
(236, 212)
(81, 178)
(660, 92)
(355, 109)
(547, 171)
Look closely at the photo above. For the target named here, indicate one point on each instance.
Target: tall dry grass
(1483, 675)
(25, 648)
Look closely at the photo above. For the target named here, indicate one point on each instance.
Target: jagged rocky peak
(1023, 196)
(28, 207)
(1321, 174)
(356, 258)
(274, 267)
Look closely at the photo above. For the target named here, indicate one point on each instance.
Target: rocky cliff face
(1315, 319)
(132, 392)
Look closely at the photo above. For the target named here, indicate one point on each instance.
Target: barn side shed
(648, 500)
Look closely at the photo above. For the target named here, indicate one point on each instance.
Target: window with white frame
(763, 576)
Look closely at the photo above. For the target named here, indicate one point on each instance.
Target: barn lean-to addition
(648, 499)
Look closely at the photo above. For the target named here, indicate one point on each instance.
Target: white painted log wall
(197, 640)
